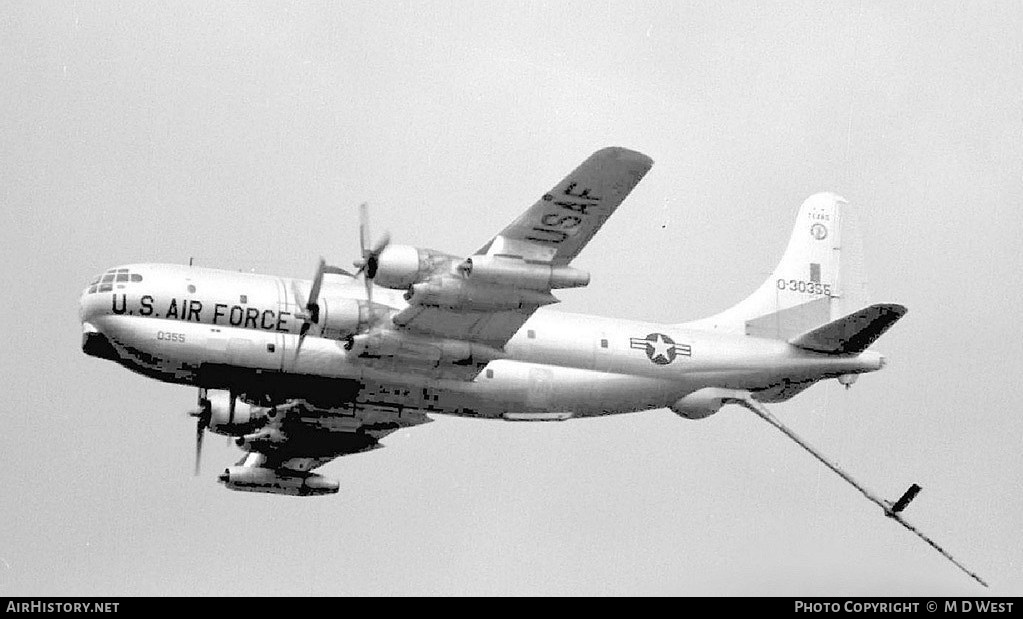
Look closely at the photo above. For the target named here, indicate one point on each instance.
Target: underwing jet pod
(305, 371)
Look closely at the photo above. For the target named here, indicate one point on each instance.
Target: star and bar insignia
(660, 348)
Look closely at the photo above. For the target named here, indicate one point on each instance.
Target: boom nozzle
(904, 500)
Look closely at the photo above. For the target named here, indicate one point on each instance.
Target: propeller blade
(367, 280)
(381, 245)
(301, 338)
(199, 431)
(299, 299)
(363, 229)
(314, 293)
(370, 259)
(337, 271)
(310, 307)
(203, 413)
(369, 255)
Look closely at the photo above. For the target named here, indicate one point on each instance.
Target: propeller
(203, 413)
(311, 313)
(367, 267)
(370, 260)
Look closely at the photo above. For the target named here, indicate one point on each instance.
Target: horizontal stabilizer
(852, 334)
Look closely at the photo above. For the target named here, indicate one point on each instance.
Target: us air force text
(191, 310)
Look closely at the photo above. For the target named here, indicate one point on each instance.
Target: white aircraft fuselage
(239, 331)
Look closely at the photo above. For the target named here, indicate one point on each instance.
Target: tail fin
(805, 289)
(852, 334)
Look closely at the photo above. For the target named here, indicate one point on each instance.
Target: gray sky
(245, 134)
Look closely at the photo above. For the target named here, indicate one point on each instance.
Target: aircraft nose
(86, 303)
(90, 303)
(81, 305)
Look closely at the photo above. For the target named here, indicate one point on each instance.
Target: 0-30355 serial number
(798, 285)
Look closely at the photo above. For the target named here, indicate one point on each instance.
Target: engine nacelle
(267, 438)
(702, 402)
(517, 273)
(400, 266)
(341, 317)
(259, 479)
(431, 351)
(465, 295)
(234, 418)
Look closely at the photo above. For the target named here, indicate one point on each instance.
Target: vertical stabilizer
(806, 289)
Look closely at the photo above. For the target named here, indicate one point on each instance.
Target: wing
(537, 245)
(557, 227)
(301, 437)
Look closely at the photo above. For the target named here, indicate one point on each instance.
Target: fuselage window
(603, 343)
(243, 299)
(531, 334)
(191, 288)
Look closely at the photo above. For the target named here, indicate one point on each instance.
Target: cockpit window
(104, 282)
